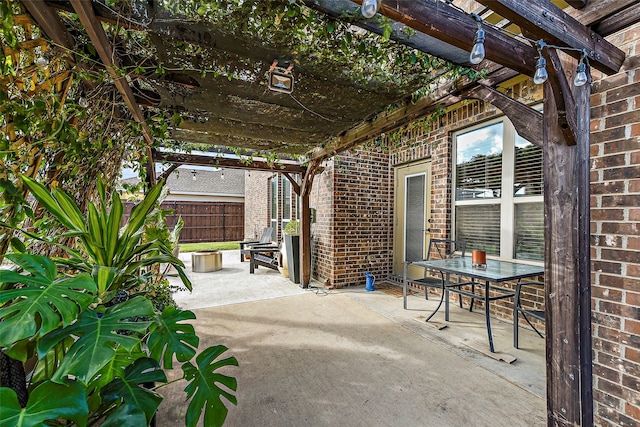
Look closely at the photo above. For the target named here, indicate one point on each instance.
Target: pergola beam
(596, 11)
(442, 21)
(546, 21)
(50, 23)
(202, 160)
(84, 10)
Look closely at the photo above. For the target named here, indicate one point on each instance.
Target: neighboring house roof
(207, 182)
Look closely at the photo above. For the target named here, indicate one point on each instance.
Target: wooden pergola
(444, 30)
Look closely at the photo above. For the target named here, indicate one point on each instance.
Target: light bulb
(541, 74)
(194, 174)
(222, 175)
(478, 52)
(370, 8)
(41, 61)
(581, 75)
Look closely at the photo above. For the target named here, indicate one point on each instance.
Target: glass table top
(496, 271)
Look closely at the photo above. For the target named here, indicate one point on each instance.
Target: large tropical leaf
(126, 415)
(47, 402)
(203, 389)
(116, 366)
(130, 389)
(60, 206)
(98, 335)
(169, 337)
(41, 303)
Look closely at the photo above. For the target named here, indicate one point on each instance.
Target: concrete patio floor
(349, 357)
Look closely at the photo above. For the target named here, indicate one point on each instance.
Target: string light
(194, 174)
(541, 75)
(370, 8)
(478, 51)
(581, 72)
(222, 174)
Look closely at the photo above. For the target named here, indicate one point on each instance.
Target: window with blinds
(528, 179)
(529, 232)
(498, 198)
(274, 208)
(479, 226)
(415, 217)
(479, 163)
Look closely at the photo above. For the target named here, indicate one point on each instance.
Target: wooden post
(305, 223)
(567, 267)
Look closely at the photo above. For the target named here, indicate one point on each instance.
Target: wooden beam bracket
(565, 101)
(526, 120)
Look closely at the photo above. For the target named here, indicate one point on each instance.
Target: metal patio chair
(439, 249)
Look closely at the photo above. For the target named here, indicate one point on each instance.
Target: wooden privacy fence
(205, 221)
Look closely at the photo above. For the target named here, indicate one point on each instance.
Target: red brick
(606, 294)
(622, 92)
(632, 411)
(634, 214)
(635, 128)
(633, 298)
(633, 243)
(632, 326)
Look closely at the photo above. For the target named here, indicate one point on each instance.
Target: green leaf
(113, 226)
(42, 303)
(141, 210)
(104, 277)
(98, 335)
(168, 337)
(17, 245)
(69, 206)
(115, 367)
(44, 197)
(126, 415)
(47, 402)
(203, 389)
(127, 388)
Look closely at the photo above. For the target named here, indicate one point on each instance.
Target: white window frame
(507, 199)
(286, 182)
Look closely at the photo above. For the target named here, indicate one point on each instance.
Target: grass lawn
(208, 246)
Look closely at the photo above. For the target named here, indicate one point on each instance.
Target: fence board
(205, 221)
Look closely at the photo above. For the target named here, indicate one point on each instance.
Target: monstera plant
(94, 344)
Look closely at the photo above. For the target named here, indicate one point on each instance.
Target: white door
(411, 214)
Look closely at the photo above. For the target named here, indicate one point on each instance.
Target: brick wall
(353, 233)
(256, 207)
(321, 200)
(615, 245)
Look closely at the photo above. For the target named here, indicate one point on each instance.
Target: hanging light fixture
(478, 51)
(541, 75)
(280, 79)
(581, 72)
(370, 8)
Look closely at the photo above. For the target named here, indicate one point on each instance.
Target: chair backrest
(444, 248)
(266, 235)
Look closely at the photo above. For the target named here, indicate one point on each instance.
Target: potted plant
(89, 328)
(292, 247)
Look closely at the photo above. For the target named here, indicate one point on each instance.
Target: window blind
(479, 226)
(415, 217)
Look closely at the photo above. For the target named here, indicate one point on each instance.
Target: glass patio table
(496, 272)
